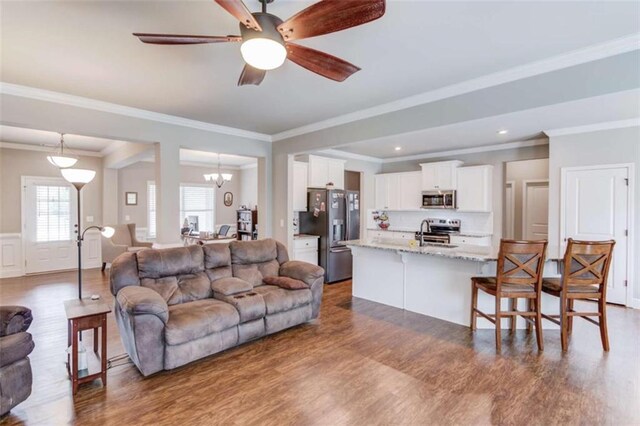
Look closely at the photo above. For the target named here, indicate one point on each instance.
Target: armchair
(15, 346)
(123, 240)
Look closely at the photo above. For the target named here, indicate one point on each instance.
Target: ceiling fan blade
(329, 16)
(320, 63)
(251, 75)
(184, 39)
(238, 9)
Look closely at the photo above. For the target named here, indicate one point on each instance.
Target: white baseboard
(11, 261)
(635, 303)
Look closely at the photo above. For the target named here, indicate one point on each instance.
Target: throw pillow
(285, 282)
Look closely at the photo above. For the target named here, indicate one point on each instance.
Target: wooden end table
(86, 314)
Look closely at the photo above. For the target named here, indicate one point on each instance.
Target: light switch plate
(127, 218)
(89, 219)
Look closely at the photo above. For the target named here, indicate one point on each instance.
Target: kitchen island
(434, 280)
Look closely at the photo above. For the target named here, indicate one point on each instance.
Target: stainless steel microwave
(439, 199)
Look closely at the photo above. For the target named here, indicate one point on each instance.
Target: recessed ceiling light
(398, 148)
(503, 132)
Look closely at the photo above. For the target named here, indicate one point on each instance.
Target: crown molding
(81, 102)
(350, 155)
(49, 149)
(554, 63)
(249, 166)
(608, 125)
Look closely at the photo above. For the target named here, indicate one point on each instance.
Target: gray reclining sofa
(177, 305)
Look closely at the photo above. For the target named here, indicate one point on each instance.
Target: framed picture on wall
(131, 198)
(228, 199)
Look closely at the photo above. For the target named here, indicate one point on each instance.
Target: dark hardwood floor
(360, 363)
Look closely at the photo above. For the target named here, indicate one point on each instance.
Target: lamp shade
(62, 161)
(107, 231)
(78, 176)
(264, 49)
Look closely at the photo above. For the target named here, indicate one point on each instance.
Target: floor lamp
(79, 178)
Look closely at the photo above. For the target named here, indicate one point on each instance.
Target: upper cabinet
(300, 171)
(475, 188)
(398, 191)
(440, 175)
(323, 170)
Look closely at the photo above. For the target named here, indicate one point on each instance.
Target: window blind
(53, 213)
(195, 201)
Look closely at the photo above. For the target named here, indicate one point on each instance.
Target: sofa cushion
(217, 261)
(229, 286)
(250, 252)
(14, 347)
(180, 288)
(193, 320)
(255, 273)
(170, 262)
(285, 282)
(278, 299)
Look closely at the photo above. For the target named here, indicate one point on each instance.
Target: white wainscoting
(11, 261)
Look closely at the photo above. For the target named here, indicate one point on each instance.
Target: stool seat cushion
(488, 284)
(554, 285)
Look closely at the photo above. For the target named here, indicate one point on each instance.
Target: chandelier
(61, 158)
(218, 178)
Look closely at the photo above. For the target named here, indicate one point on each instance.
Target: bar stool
(518, 275)
(585, 269)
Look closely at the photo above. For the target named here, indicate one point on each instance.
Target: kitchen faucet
(422, 233)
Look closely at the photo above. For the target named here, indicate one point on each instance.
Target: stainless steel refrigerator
(334, 215)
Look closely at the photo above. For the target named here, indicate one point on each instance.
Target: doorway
(535, 209)
(596, 205)
(526, 195)
(48, 219)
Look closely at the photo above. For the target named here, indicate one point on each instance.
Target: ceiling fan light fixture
(263, 53)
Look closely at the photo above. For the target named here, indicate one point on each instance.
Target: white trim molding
(554, 63)
(40, 148)
(11, 258)
(608, 125)
(81, 102)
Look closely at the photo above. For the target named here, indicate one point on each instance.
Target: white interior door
(535, 210)
(48, 218)
(595, 208)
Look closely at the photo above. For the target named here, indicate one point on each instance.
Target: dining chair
(518, 276)
(584, 273)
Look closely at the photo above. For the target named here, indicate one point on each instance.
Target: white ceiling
(521, 125)
(86, 49)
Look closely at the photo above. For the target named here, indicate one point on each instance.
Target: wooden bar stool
(585, 269)
(518, 275)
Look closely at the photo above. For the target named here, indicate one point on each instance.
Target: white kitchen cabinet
(470, 240)
(440, 175)
(306, 250)
(398, 191)
(323, 170)
(475, 186)
(300, 179)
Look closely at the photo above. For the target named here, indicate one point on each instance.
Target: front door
(48, 224)
(596, 205)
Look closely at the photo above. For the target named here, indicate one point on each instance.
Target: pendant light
(218, 178)
(60, 158)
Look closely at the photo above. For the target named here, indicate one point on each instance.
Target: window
(53, 213)
(195, 201)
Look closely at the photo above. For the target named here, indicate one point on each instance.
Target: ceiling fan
(267, 40)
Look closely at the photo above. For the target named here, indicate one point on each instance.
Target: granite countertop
(463, 252)
(305, 236)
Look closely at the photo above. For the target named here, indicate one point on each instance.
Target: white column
(167, 161)
(110, 214)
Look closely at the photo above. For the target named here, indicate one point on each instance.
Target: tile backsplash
(410, 220)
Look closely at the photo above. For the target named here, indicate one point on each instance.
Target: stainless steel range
(437, 231)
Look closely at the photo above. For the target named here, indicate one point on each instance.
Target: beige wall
(617, 146)
(134, 178)
(517, 172)
(15, 163)
(249, 187)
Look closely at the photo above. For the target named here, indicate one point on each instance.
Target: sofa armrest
(14, 319)
(229, 286)
(302, 271)
(136, 300)
(309, 273)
